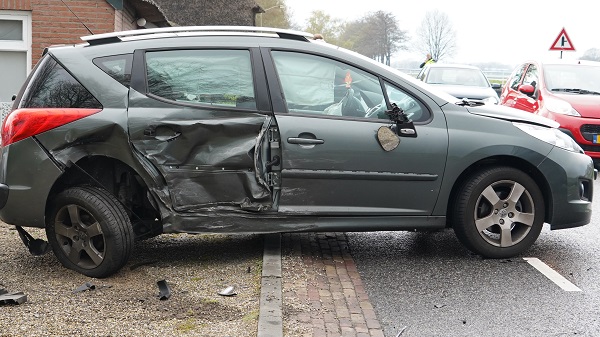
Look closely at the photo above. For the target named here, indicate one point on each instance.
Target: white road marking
(552, 274)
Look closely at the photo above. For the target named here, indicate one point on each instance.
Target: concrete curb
(270, 319)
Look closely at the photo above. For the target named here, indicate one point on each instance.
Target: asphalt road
(428, 284)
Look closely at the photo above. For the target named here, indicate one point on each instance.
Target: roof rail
(118, 36)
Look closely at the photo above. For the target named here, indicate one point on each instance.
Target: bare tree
(436, 35)
(376, 35)
(390, 38)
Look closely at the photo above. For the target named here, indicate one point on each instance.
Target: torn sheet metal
(209, 160)
(164, 291)
(12, 298)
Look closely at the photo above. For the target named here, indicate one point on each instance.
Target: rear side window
(213, 77)
(117, 66)
(53, 87)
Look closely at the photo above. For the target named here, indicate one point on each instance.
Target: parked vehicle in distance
(461, 81)
(566, 91)
(261, 130)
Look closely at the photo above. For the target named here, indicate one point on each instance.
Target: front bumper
(585, 131)
(571, 185)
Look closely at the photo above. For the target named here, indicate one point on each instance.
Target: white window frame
(23, 45)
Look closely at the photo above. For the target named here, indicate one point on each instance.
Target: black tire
(90, 232)
(491, 222)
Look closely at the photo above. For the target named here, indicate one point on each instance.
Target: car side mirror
(14, 97)
(404, 126)
(496, 86)
(527, 89)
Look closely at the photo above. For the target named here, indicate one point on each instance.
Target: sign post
(562, 42)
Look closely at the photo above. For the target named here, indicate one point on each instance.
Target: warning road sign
(562, 42)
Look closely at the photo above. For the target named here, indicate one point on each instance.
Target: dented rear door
(198, 119)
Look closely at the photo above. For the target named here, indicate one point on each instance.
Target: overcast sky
(507, 31)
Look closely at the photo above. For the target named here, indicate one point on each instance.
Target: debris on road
(84, 287)
(37, 247)
(12, 298)
(229, 291)
(402, 331)
(164, 290)
(141, 264)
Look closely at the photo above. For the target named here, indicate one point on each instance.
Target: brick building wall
(125, 19)
(53, 23)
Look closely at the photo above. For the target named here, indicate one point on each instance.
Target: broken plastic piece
(84, 287)
(143, 263)
(402, 331)
(164, 290)
(12, 298)
(229, 291)
(36, 247)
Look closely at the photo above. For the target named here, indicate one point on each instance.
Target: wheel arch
(118, 179)
(508, 161)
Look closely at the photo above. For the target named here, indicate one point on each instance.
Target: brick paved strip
(323, 294)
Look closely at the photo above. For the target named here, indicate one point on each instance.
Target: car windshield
(457, 76)
(572, 78)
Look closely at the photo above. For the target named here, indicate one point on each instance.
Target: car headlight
(560, 107)
(491, 100)
(550, 135)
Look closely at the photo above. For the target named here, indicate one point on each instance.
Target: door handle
(150, 131)
(305, 141)
(168, 138)
(161, 133)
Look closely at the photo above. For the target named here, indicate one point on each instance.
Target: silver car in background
(461, 81)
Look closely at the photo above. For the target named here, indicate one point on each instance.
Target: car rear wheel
(499, 212)
(90, 232)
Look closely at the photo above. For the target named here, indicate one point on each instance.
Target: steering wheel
(366, 98)
(374, 112)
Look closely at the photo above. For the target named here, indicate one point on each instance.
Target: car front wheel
(90, 232)
(499, 212)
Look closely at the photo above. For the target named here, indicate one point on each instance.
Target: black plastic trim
(3, 195)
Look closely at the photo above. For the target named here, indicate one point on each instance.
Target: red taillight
(23, 123)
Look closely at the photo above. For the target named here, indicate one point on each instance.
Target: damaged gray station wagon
(259, 130)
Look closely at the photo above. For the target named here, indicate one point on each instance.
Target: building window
(15, 53)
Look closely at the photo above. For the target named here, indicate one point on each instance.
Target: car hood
(512, 114)
(465, 91)
(588, 106)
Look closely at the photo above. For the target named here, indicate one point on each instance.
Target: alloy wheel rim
(80, 236)
(504, 213)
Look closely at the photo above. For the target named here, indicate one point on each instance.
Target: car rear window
(117, 67)
(53, 87)
(213, 77)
